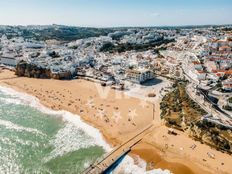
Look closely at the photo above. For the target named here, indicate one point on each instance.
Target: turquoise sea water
(35, 142)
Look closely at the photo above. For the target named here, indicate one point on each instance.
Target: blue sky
(108, 13)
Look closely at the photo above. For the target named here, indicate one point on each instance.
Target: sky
(115, 13)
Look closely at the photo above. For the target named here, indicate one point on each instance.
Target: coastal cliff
(24, 69)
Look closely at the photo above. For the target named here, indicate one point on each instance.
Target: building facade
(139, 75)
(227, 84)
(8, 61)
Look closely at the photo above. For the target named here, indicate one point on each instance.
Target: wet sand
(118, 117)
(155, 160)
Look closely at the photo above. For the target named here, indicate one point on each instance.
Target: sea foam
(10, 125)
(127, 166)
(26, 99)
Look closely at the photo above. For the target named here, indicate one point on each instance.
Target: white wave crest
(128, 166)
(11, 101)
(14, 141)
(8, 162)
(69, 134)
(10, 125)
(26, 99)
(69, 139)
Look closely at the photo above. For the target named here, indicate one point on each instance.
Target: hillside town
(83, 57)
(206, 62)
(201, 56)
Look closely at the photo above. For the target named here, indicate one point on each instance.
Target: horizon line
(148, 26)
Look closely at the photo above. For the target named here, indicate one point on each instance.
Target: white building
(8, 61)
(210, 65)
(197, 65)
(139, 75)
(201, 75)
(227, 84)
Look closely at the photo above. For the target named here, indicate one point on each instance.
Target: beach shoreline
(107, 110)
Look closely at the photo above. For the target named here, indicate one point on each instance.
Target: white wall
(8, 61)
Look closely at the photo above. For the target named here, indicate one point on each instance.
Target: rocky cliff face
(61, 75)
(23, 69)
(32, 71)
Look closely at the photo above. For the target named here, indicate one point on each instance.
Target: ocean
(35, 139)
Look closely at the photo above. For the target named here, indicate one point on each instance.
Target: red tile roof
(196, 62)
(201, 72)
(221, 71)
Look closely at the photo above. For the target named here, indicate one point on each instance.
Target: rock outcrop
(24, 69)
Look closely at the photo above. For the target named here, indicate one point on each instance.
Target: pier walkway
(115, 155)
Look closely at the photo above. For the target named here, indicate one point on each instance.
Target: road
(207, 106)
(184, 58)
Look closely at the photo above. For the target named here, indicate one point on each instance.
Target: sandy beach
(119, 116)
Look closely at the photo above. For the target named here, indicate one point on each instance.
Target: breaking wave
(12, 126)
(26, 99)
(67, 140)
(128, 166)
(72, 132)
